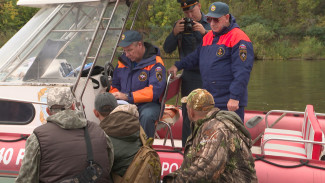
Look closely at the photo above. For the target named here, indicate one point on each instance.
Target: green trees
(279, 29)
(12, 18)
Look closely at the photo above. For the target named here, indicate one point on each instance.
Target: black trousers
(191, 80)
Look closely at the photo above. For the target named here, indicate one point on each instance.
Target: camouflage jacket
(67, 119)
(218, 150)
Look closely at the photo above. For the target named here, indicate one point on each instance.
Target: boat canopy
(63, 38)
(41, 3)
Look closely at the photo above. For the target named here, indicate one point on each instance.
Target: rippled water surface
(285, 85)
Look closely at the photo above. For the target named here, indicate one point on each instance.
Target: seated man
(140, 78)
(121, 124)
(56, 151)
(218, 150)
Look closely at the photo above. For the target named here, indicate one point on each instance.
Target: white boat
(49, 51)
(67, 35)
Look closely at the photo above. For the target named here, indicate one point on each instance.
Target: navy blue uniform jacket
(145, 82)
(225, 61)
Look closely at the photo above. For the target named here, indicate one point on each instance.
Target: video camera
(188, 25)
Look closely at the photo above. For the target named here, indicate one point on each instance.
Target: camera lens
(188, 25)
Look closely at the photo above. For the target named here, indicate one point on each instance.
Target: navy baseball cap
(188, 4)
(129, 37)
(218, 9)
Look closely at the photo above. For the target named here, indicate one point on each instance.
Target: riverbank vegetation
(279, 29)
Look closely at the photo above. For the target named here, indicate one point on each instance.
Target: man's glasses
(210, 19)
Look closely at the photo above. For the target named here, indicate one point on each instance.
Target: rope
(302, 163)
(22, 137)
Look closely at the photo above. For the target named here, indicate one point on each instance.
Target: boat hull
(11, 154)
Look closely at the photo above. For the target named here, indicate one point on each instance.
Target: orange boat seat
(298, 144)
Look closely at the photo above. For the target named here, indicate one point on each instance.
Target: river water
(285, 85)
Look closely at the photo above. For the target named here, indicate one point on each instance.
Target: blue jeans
(149, 113)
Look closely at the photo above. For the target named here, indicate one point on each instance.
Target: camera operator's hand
(199, 27)
(179, 27)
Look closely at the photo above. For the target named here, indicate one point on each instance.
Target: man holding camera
(187, 34)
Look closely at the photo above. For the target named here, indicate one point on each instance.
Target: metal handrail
(88, 51)
(22, 101)
(164, 97)
(289, 139)
(162, 107)
(288, 112)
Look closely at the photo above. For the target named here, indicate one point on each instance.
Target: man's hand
(199, 27)
(120, 96)
(179, 27)
(233, 105)
(172, 70)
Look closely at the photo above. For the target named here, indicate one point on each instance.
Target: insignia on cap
(123, 37)
(213, 7)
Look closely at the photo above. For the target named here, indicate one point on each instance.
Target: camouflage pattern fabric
(199, 100)
(61, 96)
(217, 151)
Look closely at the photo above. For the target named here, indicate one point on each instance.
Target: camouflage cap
(61, 96)
(200, 100)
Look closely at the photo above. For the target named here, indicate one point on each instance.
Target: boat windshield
(52, 46)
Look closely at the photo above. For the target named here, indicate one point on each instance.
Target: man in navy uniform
(225, 59)
(187, 37)
(140, 78)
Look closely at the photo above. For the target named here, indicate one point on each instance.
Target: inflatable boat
(63, 45)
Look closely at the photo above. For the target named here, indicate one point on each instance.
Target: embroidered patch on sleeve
(243, 52)
(159, 76)
(143, 76)
(158, 69)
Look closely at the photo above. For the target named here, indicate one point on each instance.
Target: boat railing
(22, 101)
(107, 28)
(285, 112)
(290, 140)
(172, 89)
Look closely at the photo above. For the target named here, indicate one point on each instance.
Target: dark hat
(188, 4)
(129, 37)
(218, 9)
(199, 100)
(104, 100)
